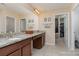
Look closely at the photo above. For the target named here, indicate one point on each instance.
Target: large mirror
(22, 25)
(10, 24)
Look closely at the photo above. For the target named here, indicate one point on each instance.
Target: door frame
(68, 29)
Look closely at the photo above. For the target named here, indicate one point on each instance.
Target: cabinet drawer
(23, 43)
(37, 36)
(27, 50)
(16, 53)
(8, 49)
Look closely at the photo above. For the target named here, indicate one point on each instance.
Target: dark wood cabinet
(43, 39)
(16, 53)
(24, 47)
(8, 49)
(17, 49)
(26, 50)
(39, 41)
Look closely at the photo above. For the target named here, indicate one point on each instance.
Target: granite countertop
(16, 38)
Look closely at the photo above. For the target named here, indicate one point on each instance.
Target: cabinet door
(16, 53)
(7, 50)
(43, 39)
(26, 50)
(37, 43)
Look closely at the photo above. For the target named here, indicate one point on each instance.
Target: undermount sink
(14, 38)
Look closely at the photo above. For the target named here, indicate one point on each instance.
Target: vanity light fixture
(36, 11)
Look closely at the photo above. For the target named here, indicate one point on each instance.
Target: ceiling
(42, 7)
(16, 7)
(48, 7)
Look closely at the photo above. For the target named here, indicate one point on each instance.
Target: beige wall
(50, 32)
(35, 23)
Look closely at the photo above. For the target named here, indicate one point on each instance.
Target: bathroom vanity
(17, 49)
(22, 46)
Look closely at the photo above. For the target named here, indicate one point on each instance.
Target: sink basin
(14, 38)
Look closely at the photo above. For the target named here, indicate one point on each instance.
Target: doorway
(60, 30)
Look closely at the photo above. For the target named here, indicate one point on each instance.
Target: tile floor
(49, 50)
(58, 50)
